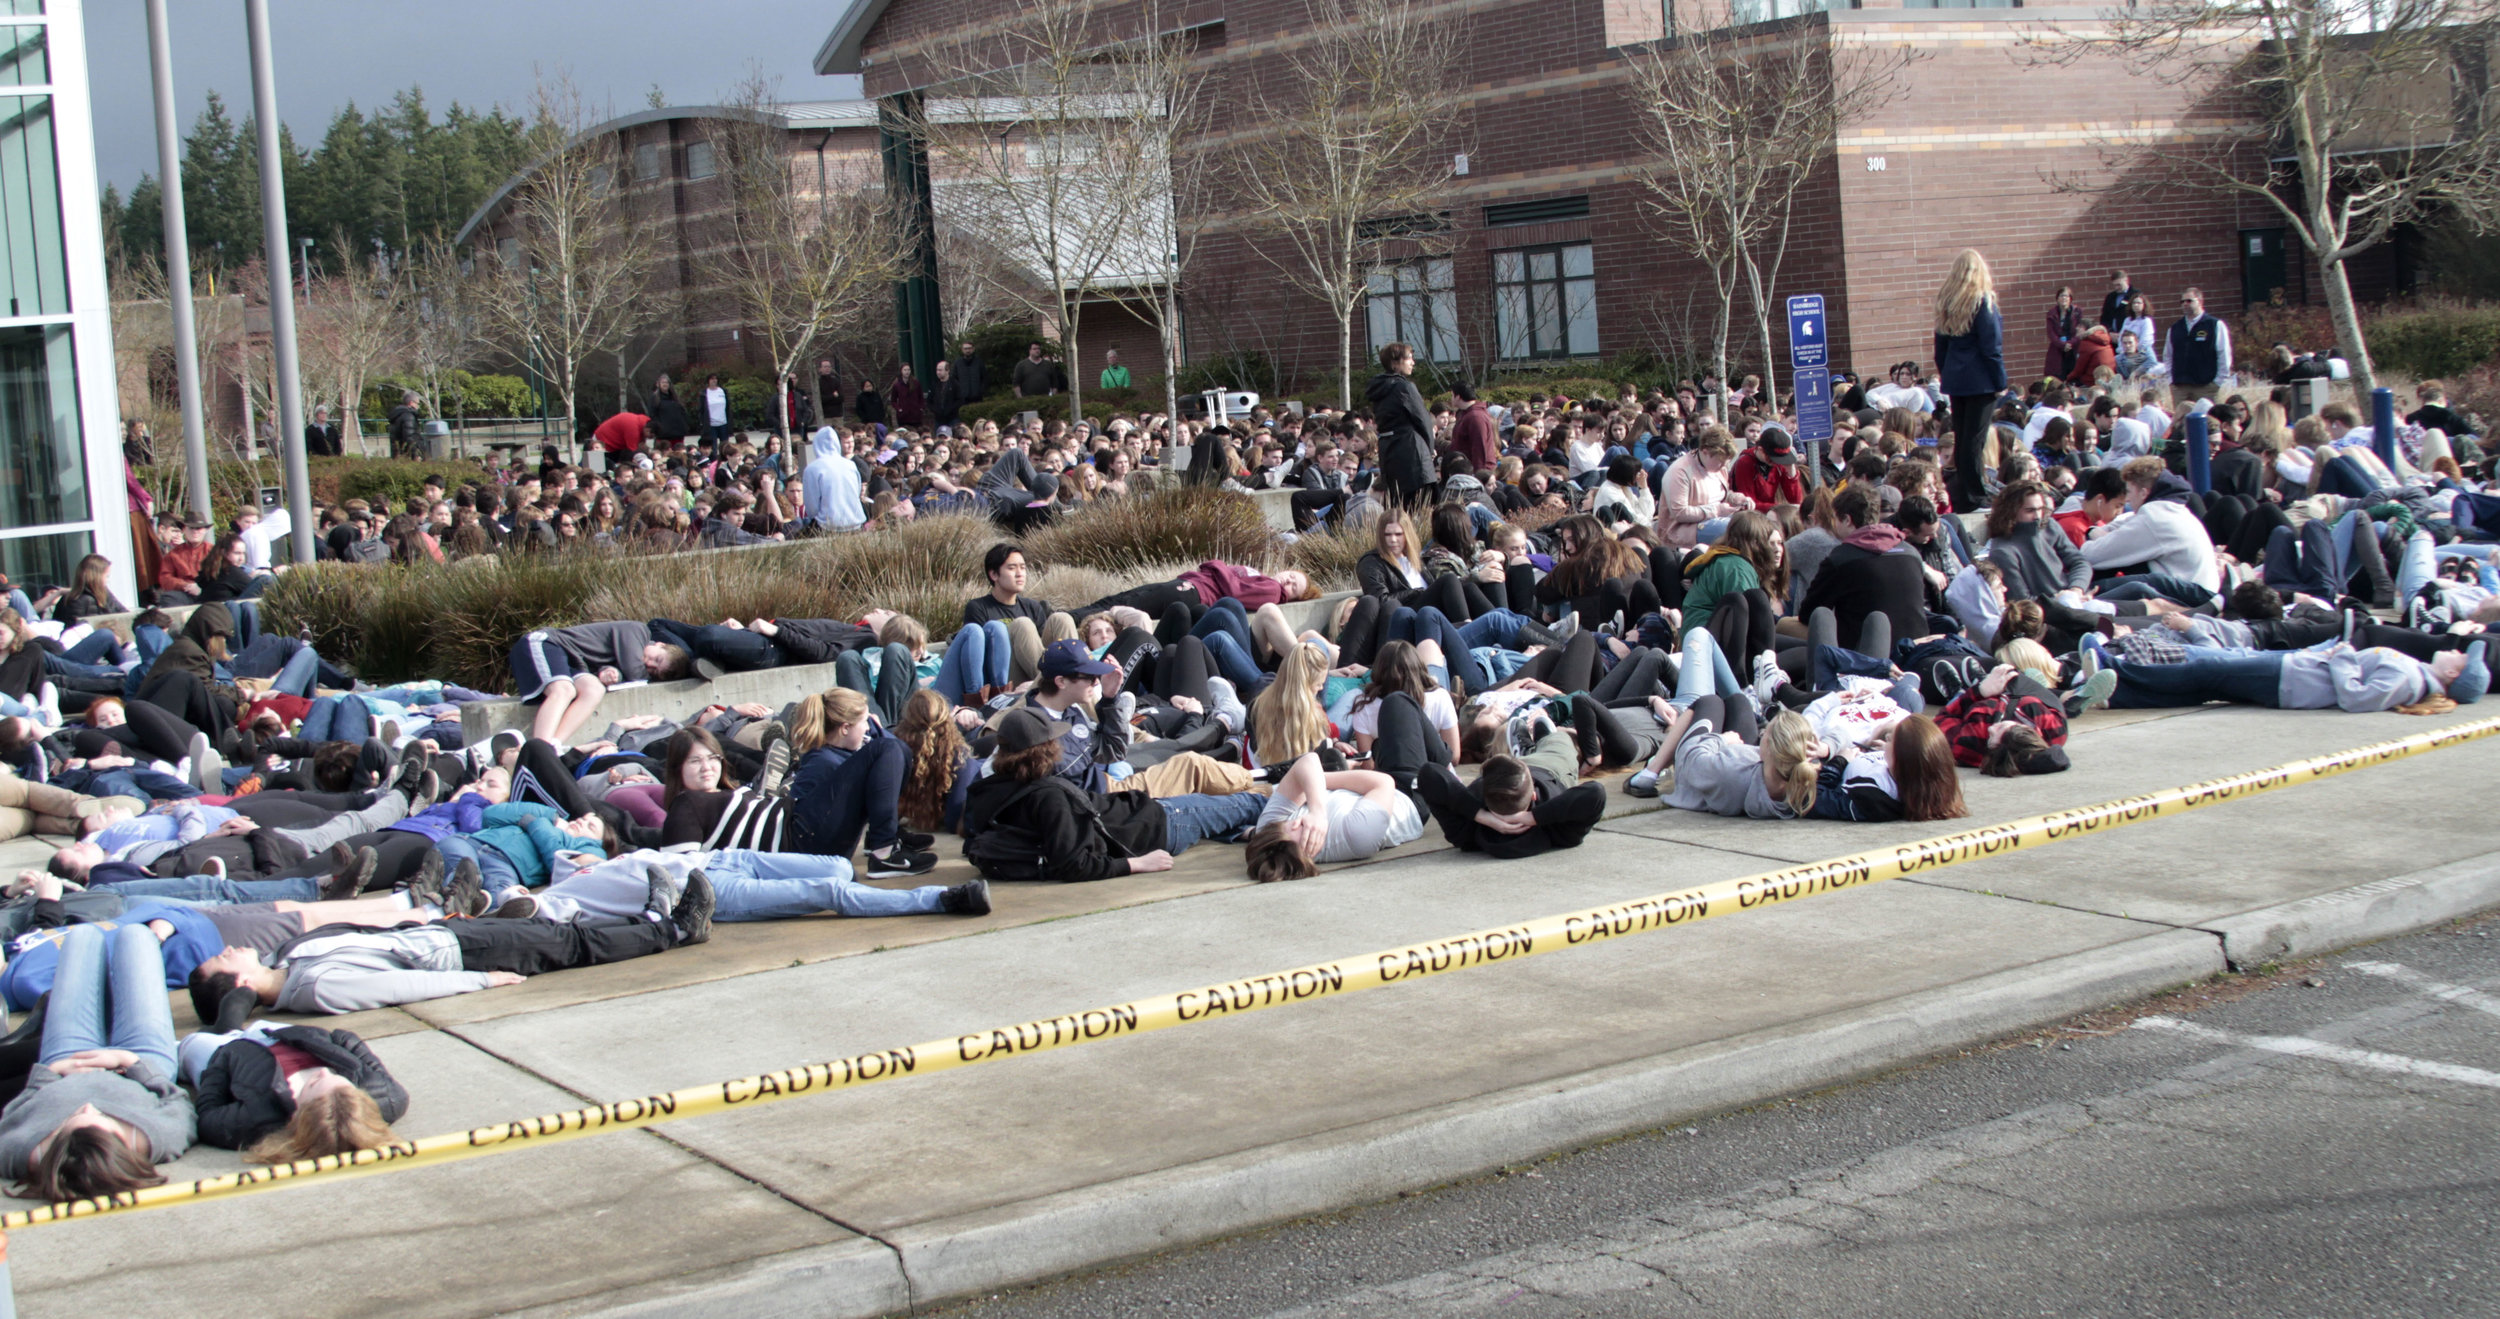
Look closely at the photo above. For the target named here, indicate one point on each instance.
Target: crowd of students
(1665, 587)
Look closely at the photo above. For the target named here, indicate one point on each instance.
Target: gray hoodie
(155, 1106)
(350, 970)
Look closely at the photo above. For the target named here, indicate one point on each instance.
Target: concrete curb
(855, 1279)
(1022, 1243)
(2399, 904)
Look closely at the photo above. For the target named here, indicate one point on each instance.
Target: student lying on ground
(101, 1106)
(2329, 677)
(281, 1093)
(746, 886)
(1026, 821)
(1514, 809)
(347, 968)
(1315, 818)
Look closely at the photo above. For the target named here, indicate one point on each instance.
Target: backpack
(1013, 854)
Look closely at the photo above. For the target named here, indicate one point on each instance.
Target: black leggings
(539, 775)
(187, 697)
(1728, 716)
(1666, 575)
(1406, 741)
(1358, 640)
(531, 946)
(1152, 599)
(21, 674)
(896, 676)
(1571, 667)
(154, 731)
(1181, 670)
(1603, 738)
(1745, 625)
(1635, 678)
(1969, 486)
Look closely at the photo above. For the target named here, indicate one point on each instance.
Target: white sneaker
(1768, 678)
(48, 701)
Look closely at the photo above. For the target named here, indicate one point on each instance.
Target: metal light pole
(178, 261)
(290, 381)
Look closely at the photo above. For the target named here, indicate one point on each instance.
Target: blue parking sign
(1805, 331)
(1814, 405)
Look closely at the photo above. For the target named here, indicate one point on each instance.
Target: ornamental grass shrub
(1184, 524)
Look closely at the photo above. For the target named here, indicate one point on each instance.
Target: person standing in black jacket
(321, 438)
(669, 423)
(1405, 427)
(2114, 303)
(405, 425)
(946, 395)
(968, 374)
(1970, 364)
(828, 390)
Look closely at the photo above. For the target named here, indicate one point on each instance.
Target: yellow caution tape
(1325, 980)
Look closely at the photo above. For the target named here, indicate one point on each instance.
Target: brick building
(1551, 256)
(673, 182)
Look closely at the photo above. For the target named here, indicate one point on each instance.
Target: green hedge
(2434, 340)
(1054, 408)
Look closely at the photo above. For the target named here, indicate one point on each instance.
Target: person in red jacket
(2092, 352)
(178, 568)
(1767, 472)
(622, 436)
(1473, 433)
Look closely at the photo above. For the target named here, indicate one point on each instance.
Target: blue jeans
(98, 647)
(1711, 531)
(2206, 675)
(763, 886)
(496, 873)
(54, 666)
(1496, 663)
(108, 992)
(137, 782)
(1233, 663)
(1494, 627)
(976, 658)
(337, 719)
(208, 888)
(2417, 566)
(1414, 626)
(1704, 671)
(1226, 616)
(1195, 816)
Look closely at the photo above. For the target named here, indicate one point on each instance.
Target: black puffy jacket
(240, 1097)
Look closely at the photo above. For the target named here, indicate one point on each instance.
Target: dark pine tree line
(386, 181)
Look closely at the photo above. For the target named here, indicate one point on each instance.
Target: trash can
(434, 440)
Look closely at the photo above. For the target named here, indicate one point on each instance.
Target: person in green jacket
(1114, 375)
(1749, 564)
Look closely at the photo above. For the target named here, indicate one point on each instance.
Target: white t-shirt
(1438, 710)
(1357, 826)
(716, 405)
(1901, 396)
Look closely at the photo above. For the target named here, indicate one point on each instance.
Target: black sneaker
(411, 781)
(776, 768)
(912, 842)
(425, 888)
(467, 894)
(661, 898)
(517, 909)
(357, 871)
(708, 670)
(901, 863)
(693, 916)
(971, 899)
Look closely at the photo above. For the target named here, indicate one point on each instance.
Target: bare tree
(445, 320)
(565, 281)
(1347, 158)
(804, 260)
(1041, 128)
(974, 279)
(2345, 117)
(1736, 122)
(354, 326)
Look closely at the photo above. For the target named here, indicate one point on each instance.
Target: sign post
(1810, 371)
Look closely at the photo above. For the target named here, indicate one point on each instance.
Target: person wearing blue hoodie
(831, 483)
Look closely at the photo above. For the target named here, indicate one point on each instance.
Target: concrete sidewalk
(941, 1186)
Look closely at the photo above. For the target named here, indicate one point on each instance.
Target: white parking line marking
(2299, 1046)
(2462, 995)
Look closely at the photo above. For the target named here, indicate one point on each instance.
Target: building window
(1545, 301)
(601, 177)
(46, 479)
(508, 251)
(34, 279)
(699, 161)
(1742, 12)
(646, 162)
(1415, 302)
(23, 62)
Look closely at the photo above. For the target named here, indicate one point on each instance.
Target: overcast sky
(477, 52)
